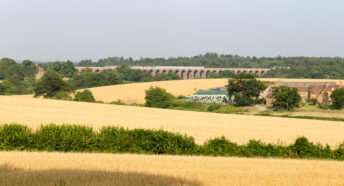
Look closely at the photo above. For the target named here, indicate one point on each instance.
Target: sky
(53, 30)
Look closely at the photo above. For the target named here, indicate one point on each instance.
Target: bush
(181, 97)
(305, 149)
(221, 147)
(313, 101)
(63, 96)
(338, 98)
(213, 106)
(85, 96)
(118, 102)
(15, 137)
(259, 101)
(65, 138)
(158, 97)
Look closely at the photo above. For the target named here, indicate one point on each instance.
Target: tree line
(21, 78)
(282, 67)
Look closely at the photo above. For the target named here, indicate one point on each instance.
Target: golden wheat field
(43, 168)
(202, 126)
(135, 92)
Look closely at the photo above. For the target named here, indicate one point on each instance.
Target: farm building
(308, 90)
(214, 95)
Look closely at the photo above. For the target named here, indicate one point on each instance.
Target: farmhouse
(307, 90)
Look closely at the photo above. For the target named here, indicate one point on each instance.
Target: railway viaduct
(185, 72)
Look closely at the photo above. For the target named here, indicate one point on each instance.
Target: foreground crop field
(135, 92)
(42, 168)
(202, 126)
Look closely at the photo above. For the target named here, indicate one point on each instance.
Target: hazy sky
(92, 29)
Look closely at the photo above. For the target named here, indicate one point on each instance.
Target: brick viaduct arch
(185, 72)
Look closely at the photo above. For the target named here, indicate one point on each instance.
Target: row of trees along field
(283, 67)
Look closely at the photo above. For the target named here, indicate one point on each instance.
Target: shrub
(259, 101)
(313, 101)
(158, 97)
(338, 98)
(213, 106)
(65, 138)
(221, 147)
(118, 102)
(63, 96)
(15, 137)
(305, 149)
(181, 97)
(85, 96)
(339, 152)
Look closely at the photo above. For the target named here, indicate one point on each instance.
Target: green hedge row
(78, 138)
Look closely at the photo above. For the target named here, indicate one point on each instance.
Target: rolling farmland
(202, 126)
(54, 168)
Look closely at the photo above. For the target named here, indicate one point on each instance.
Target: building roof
(211, 92)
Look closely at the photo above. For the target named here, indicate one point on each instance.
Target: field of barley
(135, 92)
(202, 126)
(46, 168)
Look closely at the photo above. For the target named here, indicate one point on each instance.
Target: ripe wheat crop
(43, 168)
(237, 128)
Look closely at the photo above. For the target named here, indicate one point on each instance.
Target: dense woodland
(284, 67)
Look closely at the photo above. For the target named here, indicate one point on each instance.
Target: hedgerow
(111, 139)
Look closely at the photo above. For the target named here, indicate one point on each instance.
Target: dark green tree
(85, 95)
(113, 77)
(245, 88)
(285, 98)
(338, 98)
(158, 97)
(8, 67)
(50, 84)
(68, 69)
(29, 68)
